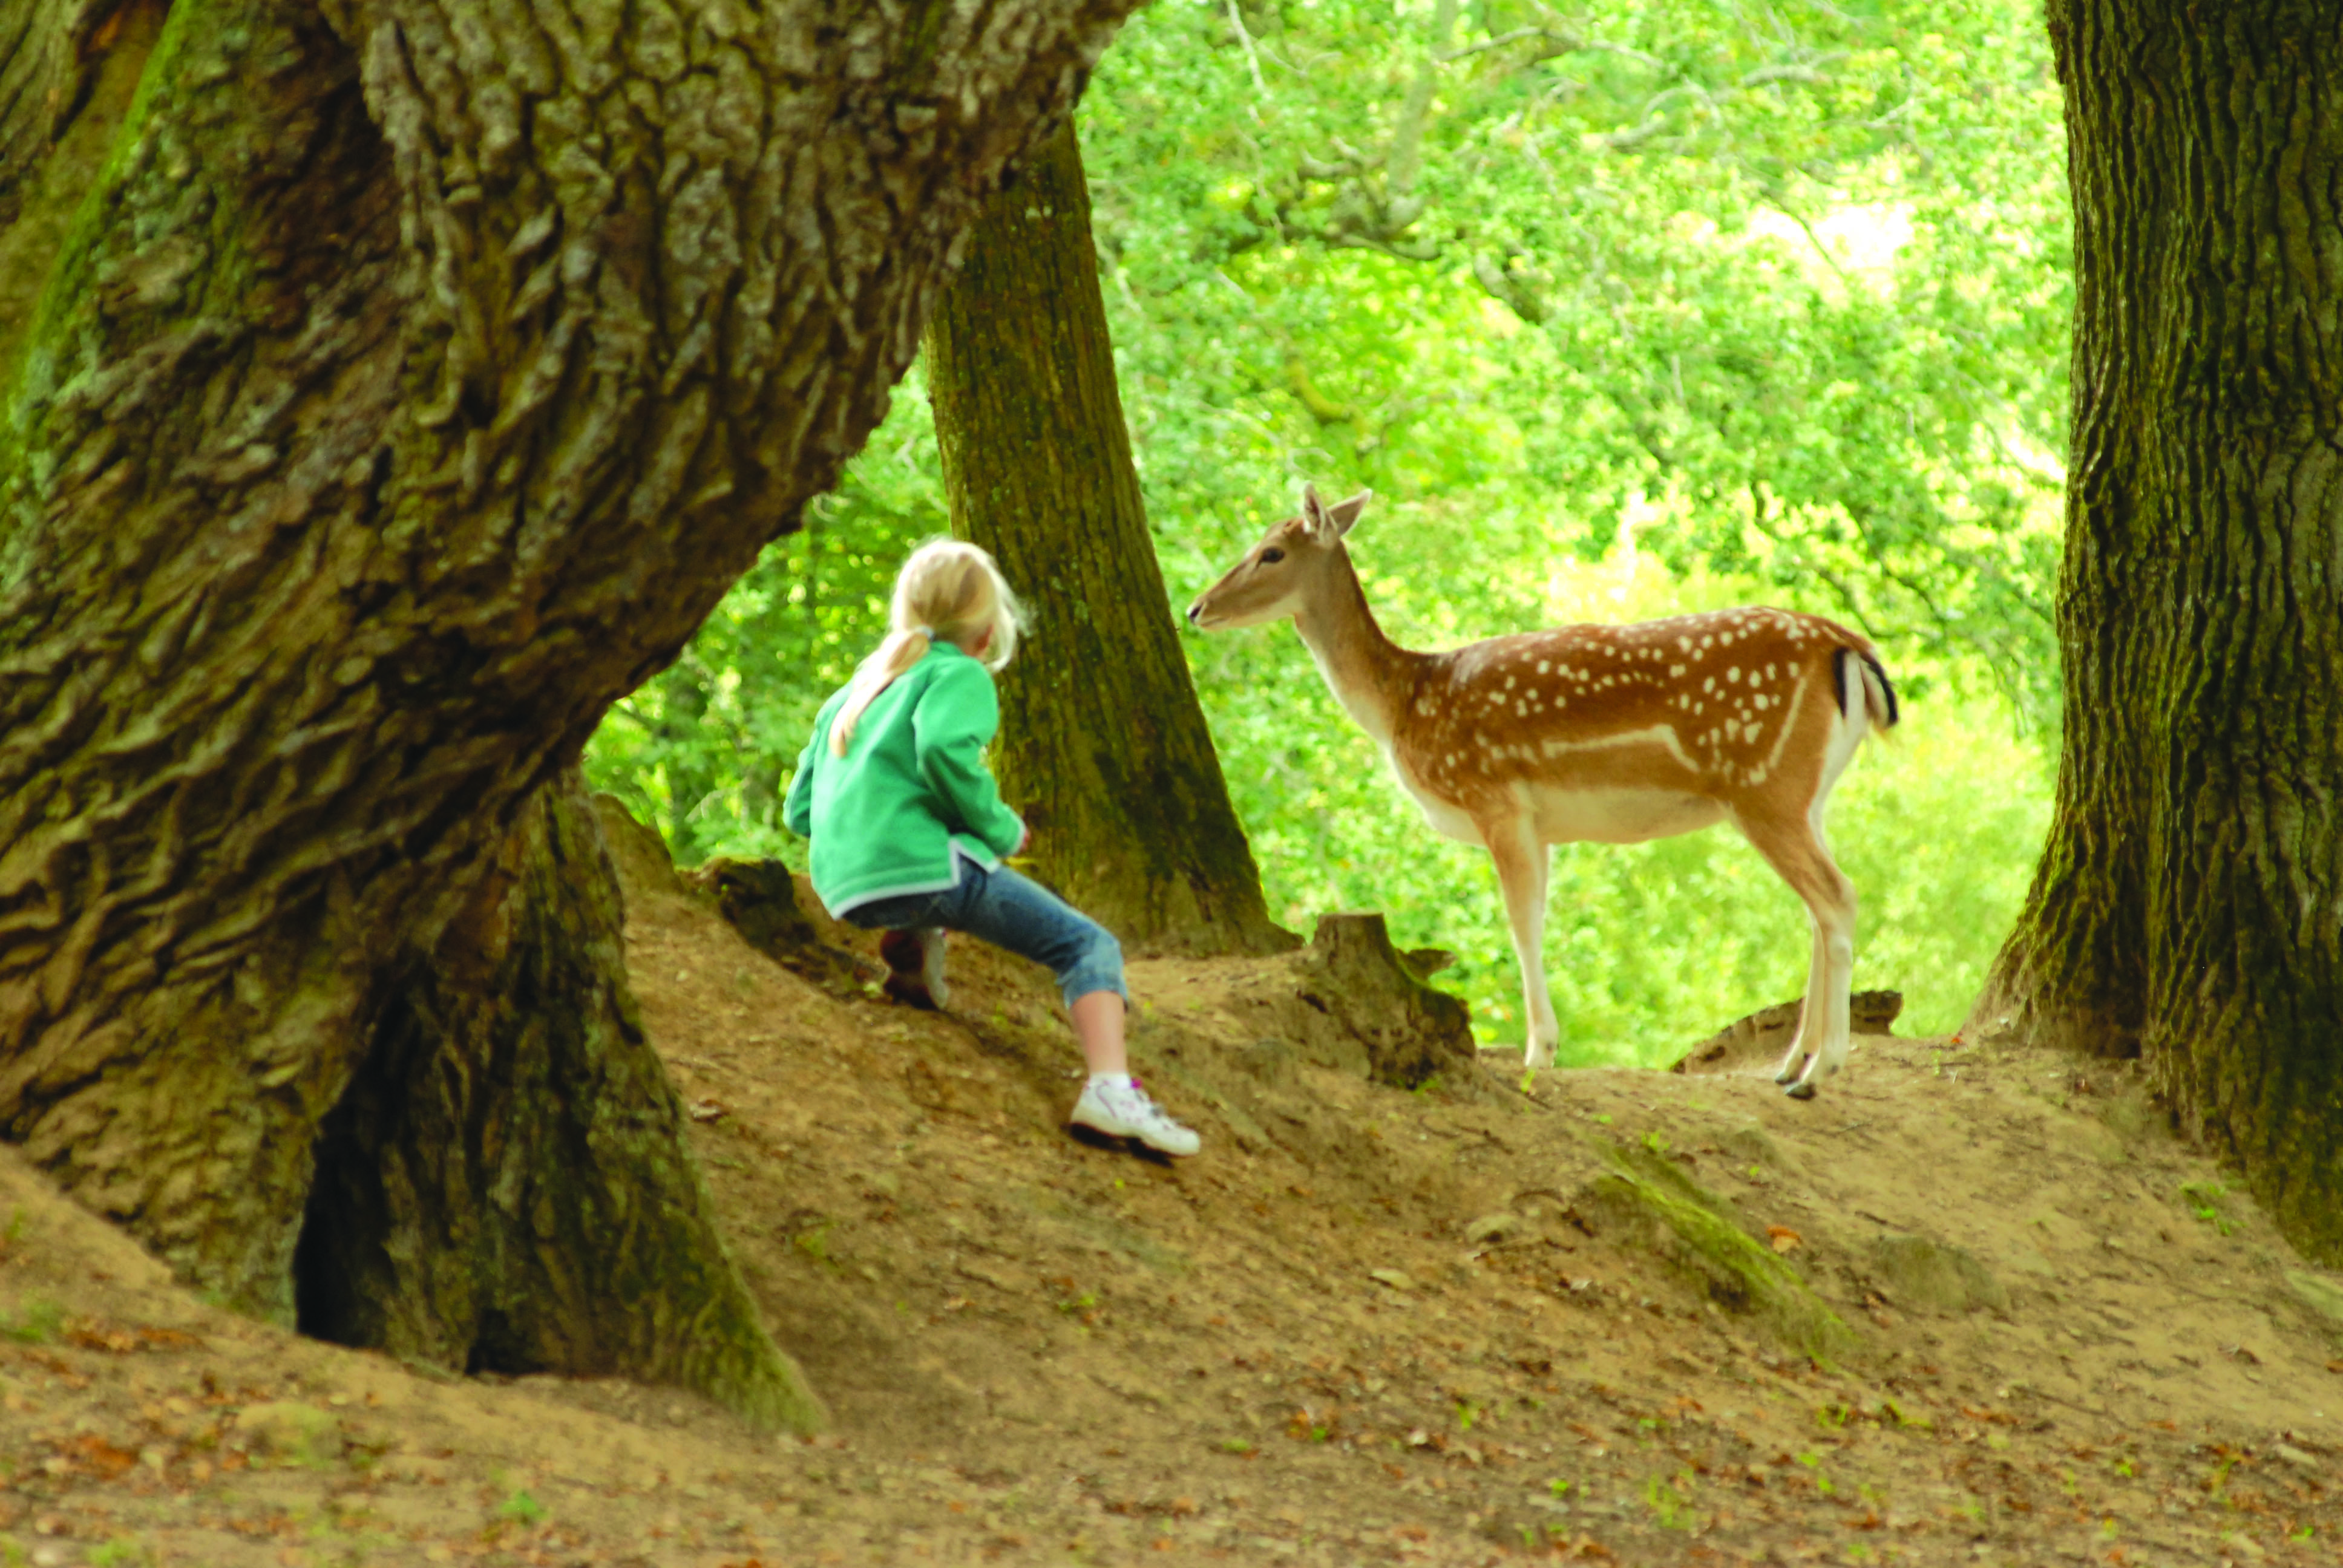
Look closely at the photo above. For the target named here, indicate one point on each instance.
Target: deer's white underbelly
(1448, 821)
(1616, 816)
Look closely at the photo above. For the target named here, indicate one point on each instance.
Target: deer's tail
(1878, 691)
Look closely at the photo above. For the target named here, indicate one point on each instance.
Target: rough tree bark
(1103, 746)
(2189, 904)
(408, 384)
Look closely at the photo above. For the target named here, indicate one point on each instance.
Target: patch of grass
(1692, 1229)
(523, 1510)
(1667, 1500)
(2208, 1201)
(35, 1321)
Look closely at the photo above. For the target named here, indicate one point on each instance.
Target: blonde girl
(909, 832)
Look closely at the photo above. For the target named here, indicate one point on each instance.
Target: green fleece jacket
(912, 794)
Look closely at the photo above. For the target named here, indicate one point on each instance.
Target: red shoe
(915, 966)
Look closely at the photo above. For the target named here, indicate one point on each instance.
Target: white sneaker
(1124, 1111)
(915, 967)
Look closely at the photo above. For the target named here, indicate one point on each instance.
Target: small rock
(1391, 1277)
(1491, 1228)
(2319, 1294)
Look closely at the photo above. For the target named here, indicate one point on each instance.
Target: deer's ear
(1314, 512)
(1341, 515)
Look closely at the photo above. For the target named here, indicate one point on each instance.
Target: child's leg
(1016, 912)
(1020, 914)
(1098, 1025)
(915, 966)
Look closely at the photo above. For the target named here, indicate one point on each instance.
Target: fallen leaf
(705, 1111)
(1391, 1277)
(1784, 1240)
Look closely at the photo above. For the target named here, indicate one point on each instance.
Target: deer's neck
(1370, 675)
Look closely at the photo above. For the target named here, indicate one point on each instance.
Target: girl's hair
(947, 589)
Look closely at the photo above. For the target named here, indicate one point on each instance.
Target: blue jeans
(1017, 913)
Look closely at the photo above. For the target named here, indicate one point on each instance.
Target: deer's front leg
(1521, 862)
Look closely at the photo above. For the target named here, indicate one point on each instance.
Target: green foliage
(1785, 293)
(1654, 308)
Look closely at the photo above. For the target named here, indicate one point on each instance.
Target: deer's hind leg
(1522, 861)
(1793, 1060)
(1794, 847)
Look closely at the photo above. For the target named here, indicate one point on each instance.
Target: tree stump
(761, 900)
(1760, 1039)
(1355, 980)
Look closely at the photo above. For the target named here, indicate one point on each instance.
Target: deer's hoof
(1790, 1074)
(1800, 1091)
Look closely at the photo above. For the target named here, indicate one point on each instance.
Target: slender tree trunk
(409, 384)
(2189, 905)
(1103, 746)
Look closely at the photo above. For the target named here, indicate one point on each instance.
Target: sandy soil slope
(1965, 1307)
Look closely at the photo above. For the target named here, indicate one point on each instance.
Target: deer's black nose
(1194, 610)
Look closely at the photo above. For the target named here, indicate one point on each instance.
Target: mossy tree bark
(1104, 747)
(409, 380)
(2189, 905)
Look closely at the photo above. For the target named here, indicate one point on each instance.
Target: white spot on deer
(1734, 673)
(1708, 642)
(1676, 669)
(1544, 665)
(1685, 643)
(1708, 683)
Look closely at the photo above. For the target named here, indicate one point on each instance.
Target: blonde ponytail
(947, 590)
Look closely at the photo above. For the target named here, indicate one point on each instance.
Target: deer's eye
(1269, 557)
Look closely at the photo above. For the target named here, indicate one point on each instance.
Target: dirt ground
(2010, 1320)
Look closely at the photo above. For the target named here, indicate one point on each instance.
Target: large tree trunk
(505, 1185)
(1103, 746)
(2189, 905)
(410, 384)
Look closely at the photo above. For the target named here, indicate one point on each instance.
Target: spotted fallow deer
(1610, 733)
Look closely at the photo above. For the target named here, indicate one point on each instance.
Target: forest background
(1642, 310)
